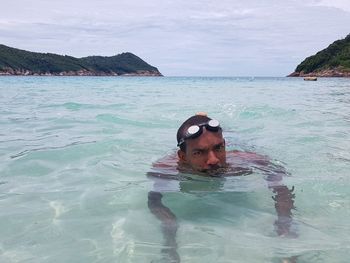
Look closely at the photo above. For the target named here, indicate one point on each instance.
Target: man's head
(201, 143)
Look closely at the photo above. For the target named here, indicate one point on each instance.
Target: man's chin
(216, 171)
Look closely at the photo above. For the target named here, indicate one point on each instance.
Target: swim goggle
(195, 131)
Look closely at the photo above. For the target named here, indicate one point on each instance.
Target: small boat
(310, 78)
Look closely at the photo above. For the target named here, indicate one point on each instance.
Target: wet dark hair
(194, 120)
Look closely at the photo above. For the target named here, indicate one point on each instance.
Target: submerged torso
(170, 175)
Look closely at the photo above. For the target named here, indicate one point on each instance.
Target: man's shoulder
(165, 167)
(249, 156)
(167, 161)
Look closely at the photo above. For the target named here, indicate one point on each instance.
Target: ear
(182, 155)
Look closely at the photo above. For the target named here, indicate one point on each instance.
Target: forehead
(206, 140)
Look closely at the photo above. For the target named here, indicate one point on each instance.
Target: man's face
(205, 153)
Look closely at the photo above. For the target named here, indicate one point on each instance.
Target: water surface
(75, 152)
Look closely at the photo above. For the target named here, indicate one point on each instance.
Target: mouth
(216, 171)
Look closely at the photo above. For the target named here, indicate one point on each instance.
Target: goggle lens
(213, 124)
(196, 130)
(193, 130)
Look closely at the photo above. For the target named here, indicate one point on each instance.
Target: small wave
(19, 119)
(30, 140)
(339, 157)
(263, 111)
(48, 148)
(75, 106)
(126, 185)
(117, 120)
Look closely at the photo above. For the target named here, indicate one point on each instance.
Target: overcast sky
(183, 37)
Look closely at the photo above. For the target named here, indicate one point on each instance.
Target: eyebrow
(206, 148)
(219, 144)
(199, 149)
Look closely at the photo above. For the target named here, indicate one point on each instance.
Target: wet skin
(204, 153)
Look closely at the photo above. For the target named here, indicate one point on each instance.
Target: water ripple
(48, 148)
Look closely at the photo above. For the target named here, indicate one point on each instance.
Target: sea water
(75, 152)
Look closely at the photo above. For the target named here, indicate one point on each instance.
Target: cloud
(181, 37)
(343, 5)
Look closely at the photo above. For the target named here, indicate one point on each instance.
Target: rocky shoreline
(329, 73)
(140, 73)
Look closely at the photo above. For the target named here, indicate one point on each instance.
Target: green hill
(20, 62)
(334, 61)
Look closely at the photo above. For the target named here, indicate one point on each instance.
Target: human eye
(197, 153)
(219, 147)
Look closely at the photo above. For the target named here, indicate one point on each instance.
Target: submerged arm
(169, 224)
(284, 202)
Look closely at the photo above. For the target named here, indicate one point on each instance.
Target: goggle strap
(189, 135)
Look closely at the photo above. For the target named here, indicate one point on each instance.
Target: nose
(212, 159)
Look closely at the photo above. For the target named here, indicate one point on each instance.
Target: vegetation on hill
(335, 59)
(123, 63)
(20, 62)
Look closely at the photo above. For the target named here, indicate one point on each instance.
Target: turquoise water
(75, 151)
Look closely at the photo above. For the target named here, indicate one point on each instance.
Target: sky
(181, 37)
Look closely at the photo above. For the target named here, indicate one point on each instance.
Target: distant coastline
(140, 73)
(17, 62)
(333, 61)
(327, 73)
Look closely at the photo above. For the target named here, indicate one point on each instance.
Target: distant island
(334, 61)
(20, 62)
